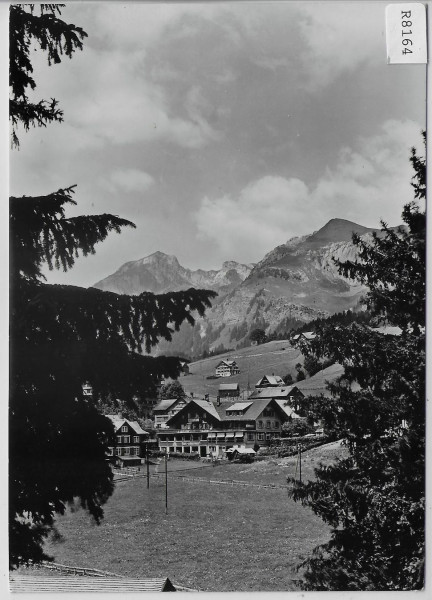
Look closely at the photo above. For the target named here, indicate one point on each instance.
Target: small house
(270, 381)
(166, 409)
(229, 390)
(304, 335)
(227, 368)
(184, 367)
(130, 437)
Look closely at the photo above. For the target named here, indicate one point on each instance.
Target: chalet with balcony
(270, 381)
(227, 368)
(130, 447)
(210, 429)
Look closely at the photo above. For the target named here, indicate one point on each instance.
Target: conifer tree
(374, 499)
(63, 336)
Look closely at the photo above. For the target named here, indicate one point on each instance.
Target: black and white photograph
(217, 314)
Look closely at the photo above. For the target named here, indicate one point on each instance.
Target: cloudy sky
(222, 130)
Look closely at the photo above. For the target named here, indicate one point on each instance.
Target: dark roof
(203, 404)
(165, 405)
(69, 583)
(272, 380)
(228, 387)
(256, 406)
(274, 392)
(228, 363)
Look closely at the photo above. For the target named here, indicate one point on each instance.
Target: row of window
(259, 436)
(268, 425)
(125, 439)
(134, 451)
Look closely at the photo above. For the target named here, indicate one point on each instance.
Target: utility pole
(300, 451)
(148, 466)
(166, 481)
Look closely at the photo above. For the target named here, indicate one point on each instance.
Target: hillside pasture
(277, 357)
(214, 537)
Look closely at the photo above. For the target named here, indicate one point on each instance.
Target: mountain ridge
(294, 283)
(160, 272)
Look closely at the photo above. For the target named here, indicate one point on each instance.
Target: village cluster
(212, 428)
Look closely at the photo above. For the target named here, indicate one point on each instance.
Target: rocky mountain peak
(338, 230)
(159, 257)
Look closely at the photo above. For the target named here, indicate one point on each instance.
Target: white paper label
(406, 33)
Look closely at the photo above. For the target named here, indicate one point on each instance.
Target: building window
(126, 439)
(124, 428)
(268, 436)
(268, 424)
(127, 451)
(136, 439)
(250, 437)
(260, 424)
(118, 451)
(119, 439)
(260, 436)
(276, 424)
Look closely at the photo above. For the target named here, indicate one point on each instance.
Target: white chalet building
(226, 368)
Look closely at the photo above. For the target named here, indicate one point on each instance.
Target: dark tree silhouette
(172, 390)
(374, 499)
(41, 25)
(63, 336)
(258, 335)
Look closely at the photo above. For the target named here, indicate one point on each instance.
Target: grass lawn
(214, 538)
(277, 357)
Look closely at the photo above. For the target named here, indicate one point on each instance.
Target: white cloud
(121, 105)
(248, 226)
(367, 184)
(128, 180)
(338, 37)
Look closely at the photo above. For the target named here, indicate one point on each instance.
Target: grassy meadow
(214, 537)
(277, 357)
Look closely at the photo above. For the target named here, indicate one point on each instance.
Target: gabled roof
(244, 450)
(119, 422)
(271, 379)
(254, 411)
(308, 335)
(287, 409)
(225, 387)
(274, 392)
(228, 363)
(206, 405)
(165, 405)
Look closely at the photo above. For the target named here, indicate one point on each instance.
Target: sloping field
(214, 537)
(316, 385)
(277, 357)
